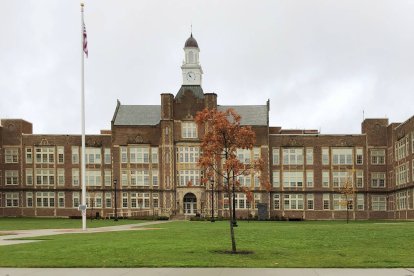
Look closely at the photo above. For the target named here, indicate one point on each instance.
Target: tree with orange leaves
(223, 136)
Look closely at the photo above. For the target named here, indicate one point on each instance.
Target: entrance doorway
(190, 204)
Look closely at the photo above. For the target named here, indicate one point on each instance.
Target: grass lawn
(196, 244)
(7, 224)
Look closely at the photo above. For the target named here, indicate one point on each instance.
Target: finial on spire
(191, 29)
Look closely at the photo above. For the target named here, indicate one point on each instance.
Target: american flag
(85, 40)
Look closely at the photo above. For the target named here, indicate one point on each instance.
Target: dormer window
(188, 130)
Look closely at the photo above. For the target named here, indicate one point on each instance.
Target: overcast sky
(321, 63)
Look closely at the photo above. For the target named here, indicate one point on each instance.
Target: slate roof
(196, 89)
(138, 115)
(191, 42)
(251, 115)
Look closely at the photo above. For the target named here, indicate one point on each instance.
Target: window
(378, 156)
(293, 201)
(243, 155)
(108, 200)
(93, 178)
(188, 130)
(45, 155)
(379, 203)
(11, 155)
(75, 177)
(61, 155)
(378, 180)
(256, 199)
(225, 201)
(360, 202)
(29, 177)
(339, 202)
(29, 199)
(189, 177)
(45, 199)
(61, 199)
(326, 202)
(155, 178)
(154, 155)
(276, 156)
(139, 178)
(107, 178)
(256, 180)
(241, 201)
(276, 201)
(256, 153)
(107, 156)
(188, 155)
(140, 200)
(401, 174)
(340, 178)
(325, 156)
(124, 178)
(12, 199)
(359, 156)
(359, 178)
(342, 156)
(325, 179)
(244, 180)
(75, 199)
(293, 156)
(124, 200)
(93, 155)
(309, 156)
(61, 177)
(75, 155)
(97, 200)
(293, 179)
(310, 201)
(309, 178)
(401, 148)
(401, 200)
(155, 200)
(29, 155)
(124, 155)
(139, 155)
(276, 179)
(12, 177)
(45, 177)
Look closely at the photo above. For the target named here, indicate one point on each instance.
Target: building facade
(147, 165)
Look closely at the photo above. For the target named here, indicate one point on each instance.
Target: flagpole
(83, 160)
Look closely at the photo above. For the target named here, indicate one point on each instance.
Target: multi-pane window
(12, 199)
(12, 177)
(45, 199)
(325, 179)
(293, 179)
(29, 155)
(139, 155)
(401, 200)
(340, 178)
(188, 154)
(401, 148)
(189, 177)
(96, 200)
(108, 200)
(154, 178)
(107, 156)
(293, 156)
(188, 130)
(339, 202)
(45, 177)
(61, 177)
(401, 174)
(45, 155)
(326, 202)
(243, 155)
(124, 154)
(107, 178)
(310, 201)
(244, 180)
(75, 177)
(293, 201)
(140, 178)
(359, 175)
(378, 156)
(241, 201)
(155, 200)
(276, 178)
(378, 180)
(124, 200)
(225, 201)
(256, 153)
(359, 156)
(379, 203)
(325, 156)
(29, 199)
(124, 178)
(61, 199)
(342, 156)
(154, 155)
(75, 199)
(256, 178)
(11, 155)
(75, 155)
(256, 199)
(93, 178)
(93, 155)
(276, 201)
(360, 202)
(276, 156)
(309, 178)
(309, 156)
(140, 200)
(29, 177)
(61, 155)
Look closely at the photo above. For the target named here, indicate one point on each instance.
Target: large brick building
(152, 151)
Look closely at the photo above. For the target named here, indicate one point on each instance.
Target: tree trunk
(233, 239)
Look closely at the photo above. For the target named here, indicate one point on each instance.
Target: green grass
(195, 244)
(7, 224)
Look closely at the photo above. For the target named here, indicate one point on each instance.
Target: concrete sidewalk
(8, 237)
(203, 272)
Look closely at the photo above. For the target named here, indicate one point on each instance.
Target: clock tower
(191, 68)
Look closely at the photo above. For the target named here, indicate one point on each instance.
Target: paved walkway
(203, 272)
(8, 237)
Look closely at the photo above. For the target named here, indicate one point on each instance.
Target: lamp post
(212, 199)
(116, 210)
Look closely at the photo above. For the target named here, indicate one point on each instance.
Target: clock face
(191, 76)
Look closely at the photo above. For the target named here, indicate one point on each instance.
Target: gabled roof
(137, 115)
(251, 115)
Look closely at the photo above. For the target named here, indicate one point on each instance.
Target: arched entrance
(190, 204)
